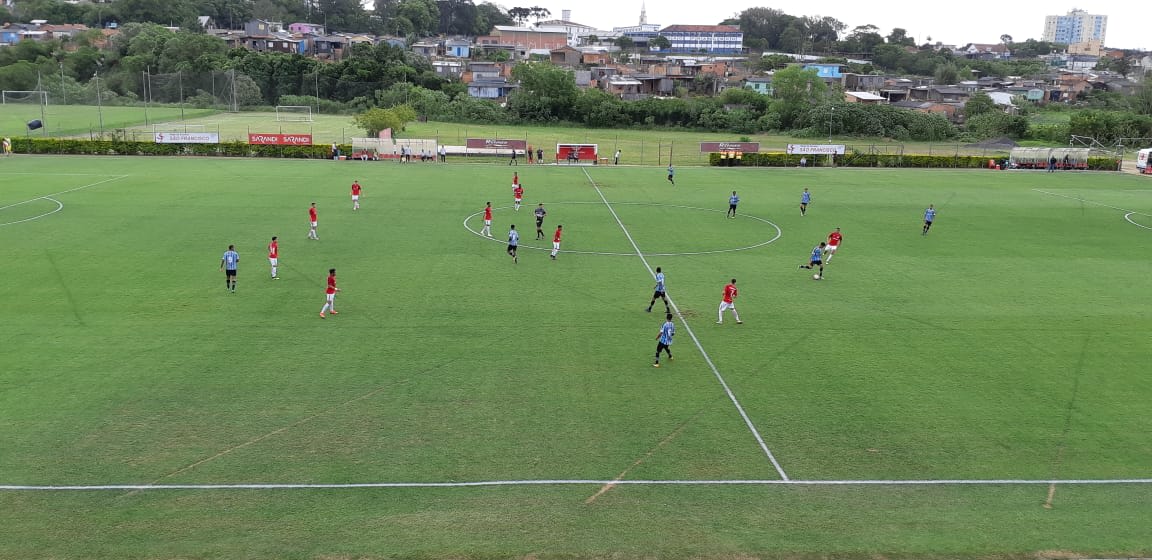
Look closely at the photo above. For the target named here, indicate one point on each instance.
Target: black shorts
(229, 273)
(657, 295)
(512, 248)
(816, 263)
(802, 204)
(927, 222)
(661, 347)
(539, 222)
(731, 206)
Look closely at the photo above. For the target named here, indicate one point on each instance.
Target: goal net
(37, 97)
(294, 113)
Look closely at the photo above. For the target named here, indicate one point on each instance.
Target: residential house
(451, 69)
(593, 58)
(940, 94)
(398, 42)
(64, 31)
(864, 97)
(262, 28)
(863, 82)
(482, 71)
(426, 48)
(497, 89)
(524, 38)
(11, 33)
(329, 47)
(565, 56)
(832, 74)
(575, 32)
(759, 84)
(458, 48)
(306, 28)
(624, 87)
(986, 51)
(704, 38)
(207, 23)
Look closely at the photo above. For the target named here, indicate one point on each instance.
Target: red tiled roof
(702, 28)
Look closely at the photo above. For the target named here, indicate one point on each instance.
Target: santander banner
(280, 139)
(497, 144)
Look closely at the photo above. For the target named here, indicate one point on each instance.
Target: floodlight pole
(99, 103)
(831, 109)
(63, 93)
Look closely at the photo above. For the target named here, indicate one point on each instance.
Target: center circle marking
(779, 232)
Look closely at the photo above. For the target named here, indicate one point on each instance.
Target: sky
(973, 21)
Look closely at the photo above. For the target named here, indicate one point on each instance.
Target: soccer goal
(38, 97)
(294, 113)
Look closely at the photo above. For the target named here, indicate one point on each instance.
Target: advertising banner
(714, 147)
(497, 144)
(187, 138)
(280, 139)
(817, 149)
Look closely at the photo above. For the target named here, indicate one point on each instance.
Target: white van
(1142, 159)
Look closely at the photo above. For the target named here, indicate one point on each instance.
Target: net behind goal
(293, 113)
(37, 97)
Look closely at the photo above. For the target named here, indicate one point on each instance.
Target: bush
(128, 148)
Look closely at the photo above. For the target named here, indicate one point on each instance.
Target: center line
(696, 341)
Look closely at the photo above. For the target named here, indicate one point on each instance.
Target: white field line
(691, 334)
(1092, 202)
(59, 207)
(570, 482)
(82, 187)
(501, 241)
(1128, 217)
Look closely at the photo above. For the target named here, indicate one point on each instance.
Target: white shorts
(330, 297)
(313, 224)
(355, 197)
(487, 222)
(517, 200)
(556, 245)
(725, 306)
(832, 248)
(273, 261)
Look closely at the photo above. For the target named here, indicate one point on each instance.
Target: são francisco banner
(825, 149)
(187, 138)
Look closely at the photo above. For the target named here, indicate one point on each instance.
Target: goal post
(293, 113)
(39, 97)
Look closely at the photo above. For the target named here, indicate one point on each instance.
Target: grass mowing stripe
(566, 482)
(692, 335)
(1130, 212)
(82, 187)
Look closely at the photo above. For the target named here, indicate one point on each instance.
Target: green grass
(1010, 342)
(85, 120)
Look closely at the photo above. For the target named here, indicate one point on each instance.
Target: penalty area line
(692, 335)
(565, 482)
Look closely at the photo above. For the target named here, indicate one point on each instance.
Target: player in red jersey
(355, 195)
(312, 222)
(729, 302)
(274, 256)
(517, 194)
(833, 244)
(330, 294)
(556, 241)
(487, 220)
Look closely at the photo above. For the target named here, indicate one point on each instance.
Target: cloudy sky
(973, 21)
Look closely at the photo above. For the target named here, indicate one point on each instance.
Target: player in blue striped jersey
(658, 293)
(805, 198)
(664, 339)
(732, 202)
(929, 216)
(229, 263)
(816, 261)
(513, 243)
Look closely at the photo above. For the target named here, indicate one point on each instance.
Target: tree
(899, 36)
(661, 42)
(1142, 100)
(864, 38)
(763, 27)
(539, 13)
(377, 119)
(488, 15)
(978, 104)
(795, 89)
(625, 42)
(166, 12)
(424, 15)
(552, 87)
(1006, 39)
(520, 15)
(947, 73)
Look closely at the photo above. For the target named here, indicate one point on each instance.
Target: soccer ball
(815, 276)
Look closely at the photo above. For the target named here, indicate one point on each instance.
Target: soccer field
(917, 402)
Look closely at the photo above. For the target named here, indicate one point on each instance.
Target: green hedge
(779, 159)
(128, 148)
